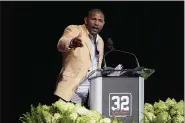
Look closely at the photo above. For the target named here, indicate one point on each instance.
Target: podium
(119, 96)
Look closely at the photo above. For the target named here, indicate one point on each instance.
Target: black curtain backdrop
(153, 31)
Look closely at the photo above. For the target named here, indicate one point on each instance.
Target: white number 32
(121, 103)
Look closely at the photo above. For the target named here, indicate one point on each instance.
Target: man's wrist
(70, 44)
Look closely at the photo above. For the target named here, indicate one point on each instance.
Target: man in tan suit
(82, 50)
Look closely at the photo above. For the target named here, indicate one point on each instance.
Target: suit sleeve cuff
(69, 42)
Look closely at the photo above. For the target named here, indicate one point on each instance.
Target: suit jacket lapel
(87, 41)
(100, 49)
(98, 44)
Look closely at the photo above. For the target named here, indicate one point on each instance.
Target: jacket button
(88, 70)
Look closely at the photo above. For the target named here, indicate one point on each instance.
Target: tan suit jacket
(76, 62)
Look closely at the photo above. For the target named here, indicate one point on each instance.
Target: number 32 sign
(120, 104)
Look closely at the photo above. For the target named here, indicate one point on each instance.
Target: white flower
(92, 121)
(56, 116)
(73, 116)
(105, 120)
(81, 110)
(63, 106)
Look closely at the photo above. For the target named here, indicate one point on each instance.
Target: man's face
(95, 22)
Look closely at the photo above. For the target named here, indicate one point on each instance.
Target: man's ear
(85, 20)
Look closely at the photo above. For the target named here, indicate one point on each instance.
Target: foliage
(169, 111)
(62, 112)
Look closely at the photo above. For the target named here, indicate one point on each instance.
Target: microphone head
(110, 42)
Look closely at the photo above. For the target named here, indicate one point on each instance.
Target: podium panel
(121, 97)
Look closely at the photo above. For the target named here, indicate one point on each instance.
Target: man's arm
(70, 33)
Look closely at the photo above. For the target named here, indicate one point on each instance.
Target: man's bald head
(95, 10)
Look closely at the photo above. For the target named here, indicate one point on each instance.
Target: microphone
(111, 47)
(107, 70)
(110, 44)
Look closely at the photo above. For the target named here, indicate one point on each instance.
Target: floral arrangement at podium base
(62, 112)
(169, 111)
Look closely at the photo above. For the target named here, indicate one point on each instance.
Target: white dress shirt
(81, 93)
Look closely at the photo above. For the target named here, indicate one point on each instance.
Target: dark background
(154, 31)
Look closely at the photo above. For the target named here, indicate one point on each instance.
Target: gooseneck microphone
(111, 47)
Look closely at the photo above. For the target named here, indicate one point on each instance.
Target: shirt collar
(97, 37)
